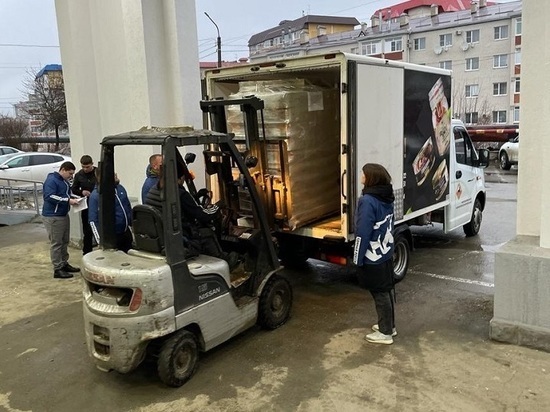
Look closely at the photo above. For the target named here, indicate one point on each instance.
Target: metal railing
(21, 195)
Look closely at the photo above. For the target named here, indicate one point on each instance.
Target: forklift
(158, 300)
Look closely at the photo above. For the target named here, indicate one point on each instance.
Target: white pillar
(522, 266)
(127, 64)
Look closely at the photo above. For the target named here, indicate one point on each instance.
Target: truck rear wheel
(275, 303)
(400, 258)
(472, 227)
(292, 254)
(178, 358)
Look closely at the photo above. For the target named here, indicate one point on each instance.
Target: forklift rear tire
(178, 358)
(275, 303)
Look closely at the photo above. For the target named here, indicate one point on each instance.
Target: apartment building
(480, 42)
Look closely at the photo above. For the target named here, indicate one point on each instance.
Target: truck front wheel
(472, 227)
(178, 358)
(400, 257)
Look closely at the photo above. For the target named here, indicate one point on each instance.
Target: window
(500, 89)
(446, 64)
(20, 161)
(445, 39)
(42, 159)
(395, 44)
(472, 63)
(516, 114)
(517, 57)
(501, 32)
(321, 30)
(472, 118)
(517, 86)
(472, 90)
(370, 48)
(420, 44)
(355, 50)
(500, 61)
(472, 36)
(464, 152)
(499, 116)
(518, 26)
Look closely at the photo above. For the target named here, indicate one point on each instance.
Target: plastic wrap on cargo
(305, 118)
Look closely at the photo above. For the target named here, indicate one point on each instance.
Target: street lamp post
(219, 41)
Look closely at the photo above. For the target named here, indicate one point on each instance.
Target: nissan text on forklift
(161, 301)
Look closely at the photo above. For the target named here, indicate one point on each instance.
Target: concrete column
(522, 266)
(127, 64)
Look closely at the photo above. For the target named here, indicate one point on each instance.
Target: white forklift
(160, 301)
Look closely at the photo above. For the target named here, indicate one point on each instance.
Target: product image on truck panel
(427, 128)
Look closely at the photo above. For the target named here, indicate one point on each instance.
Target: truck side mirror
(190, 158)
(483, 160)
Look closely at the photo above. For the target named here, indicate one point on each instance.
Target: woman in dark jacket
(374, 245)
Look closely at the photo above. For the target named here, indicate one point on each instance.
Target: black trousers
(378, 279)
(124, 241)
(87, 241)
(383, 301)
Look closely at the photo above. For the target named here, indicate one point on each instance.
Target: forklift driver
(197, 223)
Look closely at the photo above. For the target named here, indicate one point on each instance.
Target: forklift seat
(148, 229)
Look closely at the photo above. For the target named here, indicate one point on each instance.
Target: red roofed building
(415, 8)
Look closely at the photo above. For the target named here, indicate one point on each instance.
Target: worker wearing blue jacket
(55, 216)
(374, 246)
(123, 215)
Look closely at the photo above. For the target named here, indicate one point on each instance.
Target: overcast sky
(29, 40)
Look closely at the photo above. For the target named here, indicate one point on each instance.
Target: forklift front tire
(275, 303)
(178, 358)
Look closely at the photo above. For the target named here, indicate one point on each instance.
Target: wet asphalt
(442, 358)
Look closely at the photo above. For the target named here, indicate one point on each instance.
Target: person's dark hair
(67, 166)
(86, 160)
(375, 175)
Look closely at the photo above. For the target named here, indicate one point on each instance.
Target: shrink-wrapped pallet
(302, 150)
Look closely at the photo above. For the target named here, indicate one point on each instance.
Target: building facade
(481, 44)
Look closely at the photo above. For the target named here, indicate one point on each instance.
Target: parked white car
(8, 149)
(508, 154)
(30, 166)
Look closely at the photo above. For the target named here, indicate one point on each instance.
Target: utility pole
(219, 41)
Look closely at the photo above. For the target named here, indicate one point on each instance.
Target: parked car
(508, 154)
(30, 166)
(8, 149)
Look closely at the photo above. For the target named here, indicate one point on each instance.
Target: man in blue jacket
(152, 172)
(123, 215)
(55, 215)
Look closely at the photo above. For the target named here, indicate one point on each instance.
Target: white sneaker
(378, 337)
(376, 329)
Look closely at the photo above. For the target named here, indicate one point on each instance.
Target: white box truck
(321, 119)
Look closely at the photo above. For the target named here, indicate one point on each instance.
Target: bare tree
(47, 101)
(13, 130)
